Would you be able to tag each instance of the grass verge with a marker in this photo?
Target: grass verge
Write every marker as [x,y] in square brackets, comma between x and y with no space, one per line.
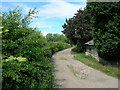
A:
[90,61]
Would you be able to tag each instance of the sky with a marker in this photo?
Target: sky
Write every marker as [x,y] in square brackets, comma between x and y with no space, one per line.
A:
[51,13]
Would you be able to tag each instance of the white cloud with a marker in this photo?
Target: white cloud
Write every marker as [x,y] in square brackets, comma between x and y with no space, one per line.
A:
[44,33]
[55,8]
[41,25]
[59,9]
[41,0]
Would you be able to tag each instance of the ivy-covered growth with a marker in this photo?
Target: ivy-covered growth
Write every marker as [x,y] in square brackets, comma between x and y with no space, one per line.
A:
[105,19]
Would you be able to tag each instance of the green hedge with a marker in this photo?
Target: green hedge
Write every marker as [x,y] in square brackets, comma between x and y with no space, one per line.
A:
[57,46]
[36,72]
[22,75]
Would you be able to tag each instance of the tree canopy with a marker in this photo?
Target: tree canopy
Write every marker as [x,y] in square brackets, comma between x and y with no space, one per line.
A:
[77,29]
[105,21]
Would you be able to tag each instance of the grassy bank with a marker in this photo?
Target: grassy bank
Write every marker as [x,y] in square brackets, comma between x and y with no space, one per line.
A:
[90,61]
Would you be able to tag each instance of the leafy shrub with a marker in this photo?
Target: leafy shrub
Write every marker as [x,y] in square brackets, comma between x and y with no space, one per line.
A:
[18,75]
[47,51]
[21,43]
[11,58]
[15,26]
[32,46]
[36,73]
[8,47]
[58,46]
[35,39]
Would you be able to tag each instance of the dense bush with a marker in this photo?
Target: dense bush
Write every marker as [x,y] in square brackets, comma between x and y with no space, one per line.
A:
[32,45]
[58,46]
[15,28]
[35,73]
[24,75]
[40,48]
[105,19]
[26,53]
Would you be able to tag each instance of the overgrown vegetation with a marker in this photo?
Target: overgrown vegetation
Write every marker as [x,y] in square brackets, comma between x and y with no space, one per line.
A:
[26,53]
[90,61]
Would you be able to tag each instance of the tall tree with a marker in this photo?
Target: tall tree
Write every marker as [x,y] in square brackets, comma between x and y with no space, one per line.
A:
[105,20]
[77,28]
